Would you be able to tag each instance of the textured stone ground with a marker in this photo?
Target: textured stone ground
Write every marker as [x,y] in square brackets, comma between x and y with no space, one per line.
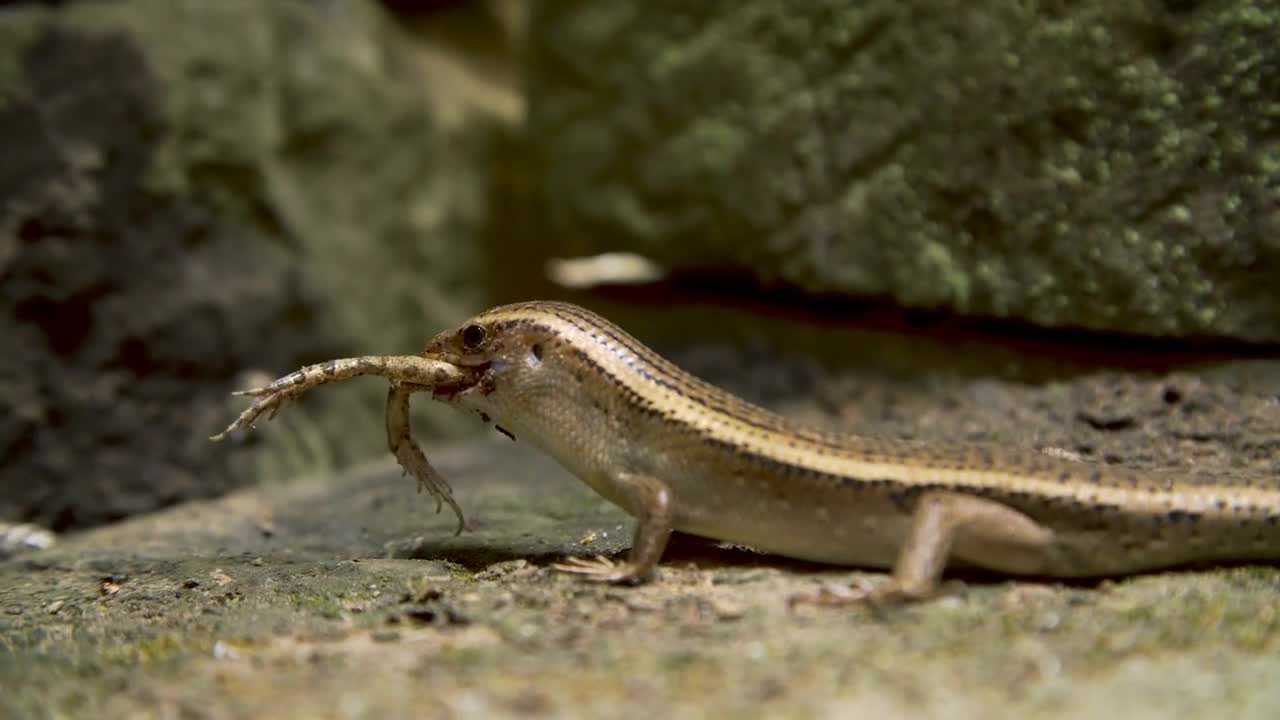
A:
[345,597]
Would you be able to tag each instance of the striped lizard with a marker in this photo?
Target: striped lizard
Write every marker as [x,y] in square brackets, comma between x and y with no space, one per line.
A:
[677,453]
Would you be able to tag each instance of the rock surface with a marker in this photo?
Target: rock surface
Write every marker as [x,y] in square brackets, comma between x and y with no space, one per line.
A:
[192,192]
[348,598]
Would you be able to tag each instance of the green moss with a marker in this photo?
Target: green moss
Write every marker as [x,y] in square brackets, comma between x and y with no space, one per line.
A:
[329,606]
[159,648]
[940,154]
[18,29]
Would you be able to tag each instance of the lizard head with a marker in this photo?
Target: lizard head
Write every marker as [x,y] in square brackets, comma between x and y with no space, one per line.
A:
[474,343]
[515,352]
[531,366]
[471,344]
[504,339]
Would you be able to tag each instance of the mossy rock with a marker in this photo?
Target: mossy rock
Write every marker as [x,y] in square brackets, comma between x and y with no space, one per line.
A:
[1105,165]
[194,191]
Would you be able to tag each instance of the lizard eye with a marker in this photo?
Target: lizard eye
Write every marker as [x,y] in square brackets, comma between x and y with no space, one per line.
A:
[473,337]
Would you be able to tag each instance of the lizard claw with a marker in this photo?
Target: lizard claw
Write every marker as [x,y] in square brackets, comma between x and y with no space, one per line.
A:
[599,569]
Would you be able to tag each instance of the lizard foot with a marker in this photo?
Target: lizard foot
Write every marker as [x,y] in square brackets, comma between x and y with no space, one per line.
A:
[601,569]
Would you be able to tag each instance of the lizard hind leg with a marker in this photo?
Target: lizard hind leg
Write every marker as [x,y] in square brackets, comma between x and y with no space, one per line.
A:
[946,525]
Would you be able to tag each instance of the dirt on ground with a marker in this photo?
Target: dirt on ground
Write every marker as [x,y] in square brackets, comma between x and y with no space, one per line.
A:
[346,596]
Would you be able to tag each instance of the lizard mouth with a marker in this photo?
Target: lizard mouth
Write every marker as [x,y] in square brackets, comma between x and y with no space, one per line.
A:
[476,377]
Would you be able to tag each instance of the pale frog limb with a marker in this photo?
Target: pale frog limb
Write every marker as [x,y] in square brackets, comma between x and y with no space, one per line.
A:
[407,374]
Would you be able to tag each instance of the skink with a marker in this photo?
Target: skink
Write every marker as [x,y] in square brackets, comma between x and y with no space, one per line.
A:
[677,453]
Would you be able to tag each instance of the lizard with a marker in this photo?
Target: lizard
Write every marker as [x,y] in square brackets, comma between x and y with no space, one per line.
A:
[678,453]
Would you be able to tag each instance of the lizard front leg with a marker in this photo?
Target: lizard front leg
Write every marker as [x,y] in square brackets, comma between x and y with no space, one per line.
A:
[649,500]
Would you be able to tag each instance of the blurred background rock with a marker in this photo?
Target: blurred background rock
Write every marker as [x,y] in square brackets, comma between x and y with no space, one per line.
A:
[193,194]
[192,191]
